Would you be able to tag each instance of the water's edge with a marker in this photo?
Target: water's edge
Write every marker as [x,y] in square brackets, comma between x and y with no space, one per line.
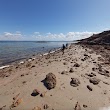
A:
[23,59]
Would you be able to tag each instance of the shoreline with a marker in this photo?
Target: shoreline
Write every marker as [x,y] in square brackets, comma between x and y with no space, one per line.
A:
[7,65]
[26,52]
[90,89]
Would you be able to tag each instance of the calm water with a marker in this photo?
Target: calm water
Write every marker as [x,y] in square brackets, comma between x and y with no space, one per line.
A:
[11,51]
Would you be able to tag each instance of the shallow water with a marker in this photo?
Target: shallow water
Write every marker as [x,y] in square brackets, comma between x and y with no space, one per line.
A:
[11,51]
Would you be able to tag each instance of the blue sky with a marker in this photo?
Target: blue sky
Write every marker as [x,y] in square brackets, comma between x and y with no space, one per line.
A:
[52,19]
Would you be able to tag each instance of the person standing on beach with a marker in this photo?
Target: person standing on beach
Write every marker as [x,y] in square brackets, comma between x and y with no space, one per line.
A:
[63,48]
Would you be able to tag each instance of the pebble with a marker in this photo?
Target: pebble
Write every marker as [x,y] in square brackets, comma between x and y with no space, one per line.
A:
[89,87]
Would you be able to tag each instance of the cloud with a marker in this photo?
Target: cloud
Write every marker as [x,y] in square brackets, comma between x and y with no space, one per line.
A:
[37,33]
[64,37]
[11,36]
[37,36]
[79,35]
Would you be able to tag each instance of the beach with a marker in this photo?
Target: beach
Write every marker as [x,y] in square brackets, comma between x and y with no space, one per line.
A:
[82,77]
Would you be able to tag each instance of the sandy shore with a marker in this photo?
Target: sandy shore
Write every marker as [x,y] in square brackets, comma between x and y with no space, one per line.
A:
[92,89]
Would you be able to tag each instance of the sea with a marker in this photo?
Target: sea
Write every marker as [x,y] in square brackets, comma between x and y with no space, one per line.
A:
[13,51]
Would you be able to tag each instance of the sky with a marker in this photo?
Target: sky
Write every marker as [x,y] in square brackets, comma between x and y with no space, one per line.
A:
[53,19]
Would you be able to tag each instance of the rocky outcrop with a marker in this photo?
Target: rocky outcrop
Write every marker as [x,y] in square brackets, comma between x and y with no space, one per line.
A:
[101,38]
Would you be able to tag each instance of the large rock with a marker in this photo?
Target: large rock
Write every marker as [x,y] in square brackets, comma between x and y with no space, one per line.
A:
[50,81]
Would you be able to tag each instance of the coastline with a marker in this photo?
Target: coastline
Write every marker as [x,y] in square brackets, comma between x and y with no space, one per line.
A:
[22,78]
[32,57]
[19,50]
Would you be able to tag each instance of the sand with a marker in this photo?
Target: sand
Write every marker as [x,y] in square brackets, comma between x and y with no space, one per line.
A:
[18,81]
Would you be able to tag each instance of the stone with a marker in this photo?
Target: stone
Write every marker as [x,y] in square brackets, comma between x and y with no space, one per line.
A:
[36,108]
[14,98]
[43,94]
[85,55]
[104,72]
[46,106]
[76,65]
[77,106]
[64,72]
[65,63]
[33,66]
[28,64]
[24,82]
[71,70]
[89,87]
[2,107]
[85,106]
[35,92]
[22,75]
[74,82]
[91,74]
[50,81]
[16,103]
[94,80]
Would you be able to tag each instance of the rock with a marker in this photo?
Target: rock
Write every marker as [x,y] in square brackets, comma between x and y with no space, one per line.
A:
[14,98]
[91,74]
[2,107]
[106,83]
[77,106]
[105,92]
[104,72]
[33,66]
[95,81]
[43,94]
[82,59]
[22,75]
[65,63]
[50,81]
[36,108]
[93,69]
[64,72]
[16,103]
[74,82]
[85,106]
[24,82]
[28,64]
[76,65]
[35,92]
[46,106]
[89,87]
[71,70]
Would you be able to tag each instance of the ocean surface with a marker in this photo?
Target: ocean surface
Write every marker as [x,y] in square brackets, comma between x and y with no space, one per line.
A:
[12,51]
